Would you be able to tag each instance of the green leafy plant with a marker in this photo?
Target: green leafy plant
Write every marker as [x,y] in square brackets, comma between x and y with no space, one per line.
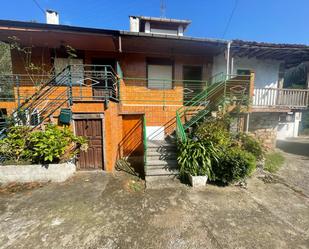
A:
[41,146]
[251,144]
[13,147]
[51,144]
[215,131]
[196,158]
[233,165]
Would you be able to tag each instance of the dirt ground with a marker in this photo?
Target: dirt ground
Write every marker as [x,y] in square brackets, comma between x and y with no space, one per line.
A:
[97,210]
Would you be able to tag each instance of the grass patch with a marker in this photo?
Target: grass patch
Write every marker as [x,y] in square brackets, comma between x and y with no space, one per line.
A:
[273,161]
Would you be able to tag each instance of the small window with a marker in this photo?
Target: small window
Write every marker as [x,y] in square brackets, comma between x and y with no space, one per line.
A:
[160,74]
[243,72]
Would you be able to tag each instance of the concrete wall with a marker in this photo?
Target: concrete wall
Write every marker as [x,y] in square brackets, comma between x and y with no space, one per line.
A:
[266,71]
[36,173]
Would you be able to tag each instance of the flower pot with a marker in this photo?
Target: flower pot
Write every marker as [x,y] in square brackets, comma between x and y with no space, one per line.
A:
[198,181]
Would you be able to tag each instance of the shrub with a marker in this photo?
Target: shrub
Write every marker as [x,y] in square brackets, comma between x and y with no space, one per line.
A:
[233,165]
[251,145]
[196,158]
[13,146]
[48,146]
[216,131]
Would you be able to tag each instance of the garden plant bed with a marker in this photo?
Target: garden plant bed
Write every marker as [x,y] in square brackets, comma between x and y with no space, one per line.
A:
[36,173]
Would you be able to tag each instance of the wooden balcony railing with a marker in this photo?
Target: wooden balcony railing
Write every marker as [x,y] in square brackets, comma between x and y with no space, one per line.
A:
[281,98]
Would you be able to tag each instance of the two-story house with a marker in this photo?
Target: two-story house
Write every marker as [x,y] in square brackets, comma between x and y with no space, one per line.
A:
[127,90]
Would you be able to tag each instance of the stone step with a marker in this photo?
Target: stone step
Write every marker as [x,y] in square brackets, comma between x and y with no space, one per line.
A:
[162,163]
[161,172]
[160,144]
[155,155]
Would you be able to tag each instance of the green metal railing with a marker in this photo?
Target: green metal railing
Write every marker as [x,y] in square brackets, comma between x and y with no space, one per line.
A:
[180,130]
[224,89]
[145,141]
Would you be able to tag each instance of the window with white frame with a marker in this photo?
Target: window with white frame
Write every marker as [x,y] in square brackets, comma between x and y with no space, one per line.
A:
[160,74]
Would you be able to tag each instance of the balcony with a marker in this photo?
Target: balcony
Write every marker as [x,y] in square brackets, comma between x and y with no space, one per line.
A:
[280,99]
[77,82]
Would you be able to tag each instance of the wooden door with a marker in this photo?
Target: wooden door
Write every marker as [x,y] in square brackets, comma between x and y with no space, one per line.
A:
[132,141]
[92,130]
[132,135]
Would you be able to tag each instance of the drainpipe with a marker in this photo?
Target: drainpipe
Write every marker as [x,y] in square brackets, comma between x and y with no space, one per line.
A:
[228,59]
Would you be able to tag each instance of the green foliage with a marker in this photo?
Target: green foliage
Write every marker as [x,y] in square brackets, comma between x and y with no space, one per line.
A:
[47,146]
[196,158]
[14,145]
[223,156]
[273,161]
[215,131]
[233,165]
[250,144]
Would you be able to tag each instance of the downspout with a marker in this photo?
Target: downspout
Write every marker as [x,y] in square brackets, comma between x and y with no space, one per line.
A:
[228,59]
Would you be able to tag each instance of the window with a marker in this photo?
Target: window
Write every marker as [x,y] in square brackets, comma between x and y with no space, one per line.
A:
[77,72]
[160,74]
[243,72]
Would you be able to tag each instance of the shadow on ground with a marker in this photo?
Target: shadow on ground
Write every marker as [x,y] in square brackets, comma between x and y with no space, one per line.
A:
[294,146]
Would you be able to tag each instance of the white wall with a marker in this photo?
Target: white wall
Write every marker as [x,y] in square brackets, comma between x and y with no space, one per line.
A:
[266,71]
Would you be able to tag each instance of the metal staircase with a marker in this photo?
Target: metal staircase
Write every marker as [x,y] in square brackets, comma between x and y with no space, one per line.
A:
[224,90]
[73,83]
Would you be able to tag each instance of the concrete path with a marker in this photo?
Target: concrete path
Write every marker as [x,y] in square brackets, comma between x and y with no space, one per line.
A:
[97,210]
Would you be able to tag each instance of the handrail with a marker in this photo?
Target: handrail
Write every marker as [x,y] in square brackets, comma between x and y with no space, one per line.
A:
[180,131]
[145,141]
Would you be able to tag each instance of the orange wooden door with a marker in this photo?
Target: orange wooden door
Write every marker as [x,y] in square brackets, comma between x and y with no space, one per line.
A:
[132,142]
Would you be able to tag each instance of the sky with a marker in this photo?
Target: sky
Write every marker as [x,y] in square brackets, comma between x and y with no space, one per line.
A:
[279,21]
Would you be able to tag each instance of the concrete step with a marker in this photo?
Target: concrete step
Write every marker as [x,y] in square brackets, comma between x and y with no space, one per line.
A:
[160,144]
[161,172]
[162,163]
[156,155]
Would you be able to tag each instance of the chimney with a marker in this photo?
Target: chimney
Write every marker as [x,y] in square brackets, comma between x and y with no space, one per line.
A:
[52,17]
[134,24]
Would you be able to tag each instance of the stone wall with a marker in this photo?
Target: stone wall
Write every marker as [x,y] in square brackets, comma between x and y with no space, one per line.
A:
[264,127]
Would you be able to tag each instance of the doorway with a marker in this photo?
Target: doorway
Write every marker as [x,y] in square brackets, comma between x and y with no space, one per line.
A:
[192,85]
[92,130]
[104,82]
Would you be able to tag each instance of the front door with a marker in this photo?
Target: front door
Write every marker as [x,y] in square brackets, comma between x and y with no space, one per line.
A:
[92,159]
[132,141]
[192,76]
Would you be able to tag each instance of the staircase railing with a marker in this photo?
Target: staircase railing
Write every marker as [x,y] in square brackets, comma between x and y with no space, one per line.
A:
[224,89]
[145,141]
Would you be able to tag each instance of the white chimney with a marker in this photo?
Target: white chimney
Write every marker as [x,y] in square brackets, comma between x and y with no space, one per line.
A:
[134,24]
[52,17]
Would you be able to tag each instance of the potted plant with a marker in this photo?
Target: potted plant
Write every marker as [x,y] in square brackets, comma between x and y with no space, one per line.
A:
[195,161]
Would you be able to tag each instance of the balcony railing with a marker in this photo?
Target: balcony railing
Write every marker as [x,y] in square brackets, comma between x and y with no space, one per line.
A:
[281,98]
[87,83]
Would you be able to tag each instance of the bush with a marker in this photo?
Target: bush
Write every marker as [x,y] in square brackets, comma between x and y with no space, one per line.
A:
[216,131]
[41,146]
[233,165]
[196,158]
[251,145]
[13,146]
